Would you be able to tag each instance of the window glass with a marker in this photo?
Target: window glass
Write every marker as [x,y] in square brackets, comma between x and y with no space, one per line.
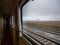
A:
[42,17]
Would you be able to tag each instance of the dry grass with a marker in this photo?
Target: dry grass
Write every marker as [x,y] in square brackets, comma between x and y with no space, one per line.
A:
[48,23]
[44,25]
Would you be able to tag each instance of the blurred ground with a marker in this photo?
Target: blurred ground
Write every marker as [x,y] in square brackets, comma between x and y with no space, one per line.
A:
[47,26]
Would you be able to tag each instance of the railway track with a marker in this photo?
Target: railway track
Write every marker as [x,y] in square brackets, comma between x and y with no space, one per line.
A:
[39,38]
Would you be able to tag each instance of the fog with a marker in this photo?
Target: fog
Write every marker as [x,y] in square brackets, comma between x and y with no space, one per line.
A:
[42,10]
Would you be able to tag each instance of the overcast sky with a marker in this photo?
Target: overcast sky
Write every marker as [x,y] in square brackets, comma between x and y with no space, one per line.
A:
[43,10]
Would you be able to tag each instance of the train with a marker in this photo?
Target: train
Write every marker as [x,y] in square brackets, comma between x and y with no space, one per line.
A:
[29,22]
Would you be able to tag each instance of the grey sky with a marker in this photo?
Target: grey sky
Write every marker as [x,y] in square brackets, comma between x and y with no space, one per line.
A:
[44,10]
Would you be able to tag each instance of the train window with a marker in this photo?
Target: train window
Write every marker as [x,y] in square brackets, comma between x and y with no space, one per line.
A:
[41,20]
[12,21]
